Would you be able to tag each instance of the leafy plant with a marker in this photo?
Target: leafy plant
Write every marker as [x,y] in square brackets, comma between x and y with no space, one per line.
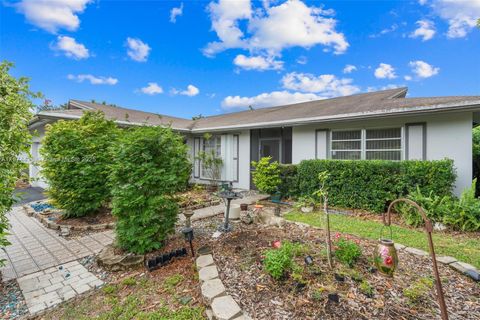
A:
[305,201]
[150,165]
[15,139]
[418,290]
[280,261]
[347,251]
[465,213]
[211,162]
[266,176]
[77,157]
[366,288]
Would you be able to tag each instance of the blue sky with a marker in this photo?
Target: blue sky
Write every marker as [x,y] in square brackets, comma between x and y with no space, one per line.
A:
[199,57]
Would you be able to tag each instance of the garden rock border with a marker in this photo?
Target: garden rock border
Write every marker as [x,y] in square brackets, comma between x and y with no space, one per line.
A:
[202,205]
[55,226]
[462,267]
[222,305]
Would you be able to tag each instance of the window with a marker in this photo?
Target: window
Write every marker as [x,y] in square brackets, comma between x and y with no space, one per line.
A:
[214,144]
[369,144]
[346,145]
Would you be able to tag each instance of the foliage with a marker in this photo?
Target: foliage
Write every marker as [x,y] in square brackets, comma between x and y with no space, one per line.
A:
[171,282]
[465,213]
[366,288]
[76,162]
[305,201]
[347,251]
[211,163]
[418,290]
[15,115]
[371,184]
[150,165]
[280,261]
[476,155]
[436,207]
[266,176]
[288,188]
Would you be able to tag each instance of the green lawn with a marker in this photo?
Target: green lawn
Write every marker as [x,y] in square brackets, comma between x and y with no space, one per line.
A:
[466,249]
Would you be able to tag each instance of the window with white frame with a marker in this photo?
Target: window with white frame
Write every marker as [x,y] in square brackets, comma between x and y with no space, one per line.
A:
[214,144]
[369,144]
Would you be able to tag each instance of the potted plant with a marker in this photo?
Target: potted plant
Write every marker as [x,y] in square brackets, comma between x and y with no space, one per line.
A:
[306,204]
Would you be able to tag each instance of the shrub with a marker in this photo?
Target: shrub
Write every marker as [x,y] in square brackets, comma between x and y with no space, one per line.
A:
[266,176]
[150,165]
[289,185]
[465,213]
[347,251]
[15,114]
[418,290]
[76,162]
[371,184]
[279,261]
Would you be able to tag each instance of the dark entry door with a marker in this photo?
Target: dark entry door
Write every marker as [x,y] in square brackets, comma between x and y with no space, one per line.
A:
[270,148]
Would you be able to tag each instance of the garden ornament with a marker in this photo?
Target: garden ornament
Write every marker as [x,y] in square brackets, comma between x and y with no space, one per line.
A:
[385,255]
[428,231]
[228,196]
[188,215]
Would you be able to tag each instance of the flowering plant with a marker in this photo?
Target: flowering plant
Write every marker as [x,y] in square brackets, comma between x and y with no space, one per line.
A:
[347,250]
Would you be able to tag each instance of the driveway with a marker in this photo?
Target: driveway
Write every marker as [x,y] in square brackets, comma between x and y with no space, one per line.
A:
[28,195]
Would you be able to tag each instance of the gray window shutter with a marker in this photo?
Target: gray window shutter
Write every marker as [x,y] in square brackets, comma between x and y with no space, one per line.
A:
[196,161]
[416,141]
[322,144]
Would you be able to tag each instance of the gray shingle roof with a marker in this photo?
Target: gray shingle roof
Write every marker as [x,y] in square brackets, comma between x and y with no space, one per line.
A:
[373,104]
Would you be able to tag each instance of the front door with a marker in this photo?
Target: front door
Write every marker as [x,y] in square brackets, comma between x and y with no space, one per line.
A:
[270,148]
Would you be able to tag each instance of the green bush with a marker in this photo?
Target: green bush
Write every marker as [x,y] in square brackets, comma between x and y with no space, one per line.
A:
[76,162]
[280,261]
[150,165]
[289,185]
[372,184]
[15,114]
[465,213]
[347,251]
[266,176]
[418,290]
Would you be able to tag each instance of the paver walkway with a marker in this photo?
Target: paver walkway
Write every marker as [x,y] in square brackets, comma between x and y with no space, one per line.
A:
[35,247]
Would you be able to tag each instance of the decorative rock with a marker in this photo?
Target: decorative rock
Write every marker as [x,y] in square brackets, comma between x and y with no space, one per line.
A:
[208,273]
[473,274]
[466,269]
[204,261]
[399,246]
[209,314]
[225,308]
[416,251]
[115,262]
[446,259]
[64,231]
[212,289]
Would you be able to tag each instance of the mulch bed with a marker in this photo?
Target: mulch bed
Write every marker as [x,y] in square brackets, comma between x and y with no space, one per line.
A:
[239,257]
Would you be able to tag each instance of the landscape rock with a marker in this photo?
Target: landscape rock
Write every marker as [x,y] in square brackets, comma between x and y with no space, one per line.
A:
[416,251]
[204,261]
[225,308]
[208,273]
[212,289]
[116,262]
[446,259]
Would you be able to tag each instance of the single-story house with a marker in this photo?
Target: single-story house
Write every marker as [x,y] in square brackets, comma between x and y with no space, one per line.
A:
[377,125]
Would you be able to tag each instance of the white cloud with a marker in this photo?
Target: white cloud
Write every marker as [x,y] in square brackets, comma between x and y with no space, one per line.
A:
[71,48]
[302,60]
[152,89]
[425,30]
[423,69]
[257,63]
[326,84]
[176,12]
[137,49]
[392,28]
[52,15]
[191,91]
[387,87]
[408,78]
[275,98]
[385,71]
[270,29]
[461,15]
[93,79]
[349,68]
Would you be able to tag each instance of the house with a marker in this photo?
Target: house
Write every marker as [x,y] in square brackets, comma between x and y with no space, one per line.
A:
[377,125]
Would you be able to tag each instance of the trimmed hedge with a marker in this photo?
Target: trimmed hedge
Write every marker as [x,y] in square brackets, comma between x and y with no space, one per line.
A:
[369,184]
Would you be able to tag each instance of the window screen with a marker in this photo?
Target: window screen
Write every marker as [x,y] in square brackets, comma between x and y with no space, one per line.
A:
[346,145]
[383,144]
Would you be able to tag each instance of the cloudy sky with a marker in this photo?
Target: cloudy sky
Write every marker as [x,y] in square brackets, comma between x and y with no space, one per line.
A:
[199,57]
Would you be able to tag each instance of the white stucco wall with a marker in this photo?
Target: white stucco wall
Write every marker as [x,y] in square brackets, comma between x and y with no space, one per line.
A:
[448,136]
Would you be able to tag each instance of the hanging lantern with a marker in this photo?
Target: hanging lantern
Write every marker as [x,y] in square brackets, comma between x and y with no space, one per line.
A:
[385,255]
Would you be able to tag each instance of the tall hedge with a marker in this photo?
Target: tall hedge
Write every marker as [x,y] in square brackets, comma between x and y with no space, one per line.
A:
[371,184]
[76,159]
[150,165]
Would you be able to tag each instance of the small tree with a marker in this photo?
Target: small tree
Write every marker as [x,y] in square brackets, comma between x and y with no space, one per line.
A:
[76,162]
[211,162]
[266,176]
[150,165]
[15,115]
[322,194]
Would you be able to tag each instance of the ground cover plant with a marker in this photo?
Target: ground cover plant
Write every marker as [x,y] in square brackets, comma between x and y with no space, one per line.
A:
[465,247]
[15,114]
[76,163]
[150,165]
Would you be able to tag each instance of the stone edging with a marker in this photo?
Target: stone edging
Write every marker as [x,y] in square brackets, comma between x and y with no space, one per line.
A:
[55,226]
[210,203]
[222,305]
[462,267]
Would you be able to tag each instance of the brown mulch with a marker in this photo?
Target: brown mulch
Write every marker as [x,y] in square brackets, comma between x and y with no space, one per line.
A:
[103,216]
[239,258]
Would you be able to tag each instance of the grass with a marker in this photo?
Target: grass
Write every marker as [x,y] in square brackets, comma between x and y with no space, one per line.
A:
[462,247]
